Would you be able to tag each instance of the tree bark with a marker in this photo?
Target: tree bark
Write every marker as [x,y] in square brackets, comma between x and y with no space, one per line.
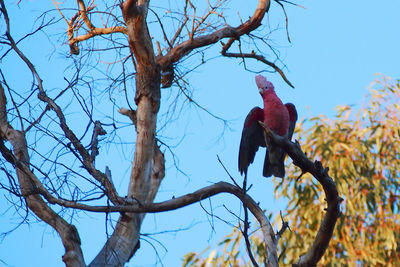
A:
[145,177]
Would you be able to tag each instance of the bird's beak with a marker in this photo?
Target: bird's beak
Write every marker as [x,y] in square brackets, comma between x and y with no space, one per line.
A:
[260,90]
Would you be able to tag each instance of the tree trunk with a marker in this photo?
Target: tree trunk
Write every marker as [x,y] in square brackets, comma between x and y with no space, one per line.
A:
[125,240]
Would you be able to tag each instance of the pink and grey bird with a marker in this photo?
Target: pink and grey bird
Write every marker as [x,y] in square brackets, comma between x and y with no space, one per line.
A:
[280,118]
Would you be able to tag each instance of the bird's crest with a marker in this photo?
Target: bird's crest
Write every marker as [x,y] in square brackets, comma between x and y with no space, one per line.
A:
[262,82]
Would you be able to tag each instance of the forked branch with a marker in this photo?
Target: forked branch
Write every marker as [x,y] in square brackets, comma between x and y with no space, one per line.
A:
[186,47]
[320,173]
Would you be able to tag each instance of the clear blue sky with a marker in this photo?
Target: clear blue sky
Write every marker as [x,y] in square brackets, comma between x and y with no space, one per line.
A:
[337,49]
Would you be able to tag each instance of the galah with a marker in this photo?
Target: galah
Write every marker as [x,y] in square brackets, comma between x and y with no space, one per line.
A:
[281,119]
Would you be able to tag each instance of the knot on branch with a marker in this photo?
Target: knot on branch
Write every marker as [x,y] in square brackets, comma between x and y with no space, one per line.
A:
[70,257]
[42,96]
[74,49]
[130,113]
[131,9]
[318,166]
[167,76]
[158,166]
[148,81]
[97,130]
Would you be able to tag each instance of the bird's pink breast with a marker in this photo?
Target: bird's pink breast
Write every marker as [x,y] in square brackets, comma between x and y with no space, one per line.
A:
[276,115]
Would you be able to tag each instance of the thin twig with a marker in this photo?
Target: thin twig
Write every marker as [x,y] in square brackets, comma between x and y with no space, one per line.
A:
[285,225]
[246,236]
[230,176]
[286,20]
[162,28]
[263,60]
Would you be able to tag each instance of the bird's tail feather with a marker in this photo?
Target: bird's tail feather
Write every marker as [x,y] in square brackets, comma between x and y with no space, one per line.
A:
[274,165]
[267,171]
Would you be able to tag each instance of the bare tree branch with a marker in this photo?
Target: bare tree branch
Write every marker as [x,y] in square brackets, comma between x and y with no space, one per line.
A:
[97,130]
[86,158]
[93,31]
[69,235]
[186,47]
[130,113]
[175,203]
[285,225]
[245,233]
[320,173]
[286,20]
[175,53]
[83,13]
[259,58]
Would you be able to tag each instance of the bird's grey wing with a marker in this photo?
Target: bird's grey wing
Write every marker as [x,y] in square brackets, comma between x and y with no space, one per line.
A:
[252,139]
